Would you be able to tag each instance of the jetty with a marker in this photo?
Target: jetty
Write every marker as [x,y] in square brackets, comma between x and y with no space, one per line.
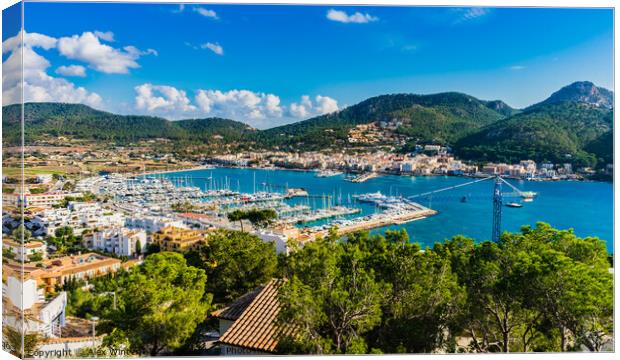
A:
[364,177]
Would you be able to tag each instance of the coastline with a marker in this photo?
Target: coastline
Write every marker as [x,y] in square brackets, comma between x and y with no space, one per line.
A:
[378,173]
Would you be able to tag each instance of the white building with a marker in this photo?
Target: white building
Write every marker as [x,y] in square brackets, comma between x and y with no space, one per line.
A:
[37,200]
[45,317]
[278,239]
[26,310]
[119,240]
[79,216]
[152,223]
[23,252]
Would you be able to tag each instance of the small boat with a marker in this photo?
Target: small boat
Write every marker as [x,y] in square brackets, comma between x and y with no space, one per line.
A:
[514,205]
[528,194]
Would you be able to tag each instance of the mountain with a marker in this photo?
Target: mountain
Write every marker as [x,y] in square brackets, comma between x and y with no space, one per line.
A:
[81,121]
[502,108]
[436,118]
[582,92]
[574,125]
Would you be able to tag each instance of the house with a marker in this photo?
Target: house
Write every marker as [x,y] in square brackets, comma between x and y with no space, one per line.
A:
[229,314]
[249,325]
[279,239]
[27,309]
[23,252]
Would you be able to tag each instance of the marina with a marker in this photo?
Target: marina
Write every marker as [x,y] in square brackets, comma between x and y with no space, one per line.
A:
[584,206]
[313,205]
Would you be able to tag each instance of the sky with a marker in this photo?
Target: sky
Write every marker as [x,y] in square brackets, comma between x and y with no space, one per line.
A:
[268,65]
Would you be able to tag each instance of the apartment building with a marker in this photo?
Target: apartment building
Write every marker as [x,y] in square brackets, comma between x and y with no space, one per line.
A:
[79,216]
[117,240]
[46,200]
[178,239]
[152,223]
[55,272]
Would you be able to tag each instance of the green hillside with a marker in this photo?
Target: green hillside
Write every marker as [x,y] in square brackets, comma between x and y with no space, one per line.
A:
[434,118]
[83,122]
[575,124]
[557,132]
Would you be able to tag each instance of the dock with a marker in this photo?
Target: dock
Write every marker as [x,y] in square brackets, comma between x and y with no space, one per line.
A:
[321,214]
[369,222]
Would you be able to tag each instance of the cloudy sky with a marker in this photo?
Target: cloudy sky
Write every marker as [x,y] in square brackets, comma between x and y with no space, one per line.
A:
[270,65]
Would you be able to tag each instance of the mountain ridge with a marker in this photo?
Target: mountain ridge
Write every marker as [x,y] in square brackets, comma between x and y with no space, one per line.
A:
[573,124]
[582,92]
[82,121]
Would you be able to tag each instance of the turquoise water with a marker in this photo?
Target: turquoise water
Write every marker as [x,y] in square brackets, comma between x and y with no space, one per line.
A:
[587,207]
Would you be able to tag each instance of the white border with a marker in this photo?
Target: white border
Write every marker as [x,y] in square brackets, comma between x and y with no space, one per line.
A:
[484,3]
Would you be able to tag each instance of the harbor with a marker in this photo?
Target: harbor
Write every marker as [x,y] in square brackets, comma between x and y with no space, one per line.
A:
[312,205]
[583,206]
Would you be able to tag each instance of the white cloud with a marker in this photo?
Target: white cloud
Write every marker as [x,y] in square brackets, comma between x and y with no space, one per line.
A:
[307,108]
[31,40]
[134,51]
[357,17]
[301,110]
[106,36]
[101,57]
[71,70]
[517,67]
[37,86]
[180,9]
[215,47]
[257,109]
[243,105]
[162,100]
[206,12]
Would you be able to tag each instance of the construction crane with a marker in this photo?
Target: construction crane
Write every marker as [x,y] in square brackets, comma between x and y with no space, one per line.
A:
[497,199]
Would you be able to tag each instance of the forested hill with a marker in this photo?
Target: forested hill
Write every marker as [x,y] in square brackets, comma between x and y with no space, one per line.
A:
[574,125]
[83,122]
[441,118]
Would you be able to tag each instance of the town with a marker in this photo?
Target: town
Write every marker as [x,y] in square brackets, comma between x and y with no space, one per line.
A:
[429,160]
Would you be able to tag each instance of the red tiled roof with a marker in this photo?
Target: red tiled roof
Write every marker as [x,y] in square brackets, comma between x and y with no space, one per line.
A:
[256,328]
[234,310]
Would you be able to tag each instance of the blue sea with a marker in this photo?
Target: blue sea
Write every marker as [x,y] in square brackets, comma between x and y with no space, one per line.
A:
[586,207]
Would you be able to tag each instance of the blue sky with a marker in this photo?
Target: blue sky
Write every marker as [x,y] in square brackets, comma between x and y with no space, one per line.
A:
[268,65]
